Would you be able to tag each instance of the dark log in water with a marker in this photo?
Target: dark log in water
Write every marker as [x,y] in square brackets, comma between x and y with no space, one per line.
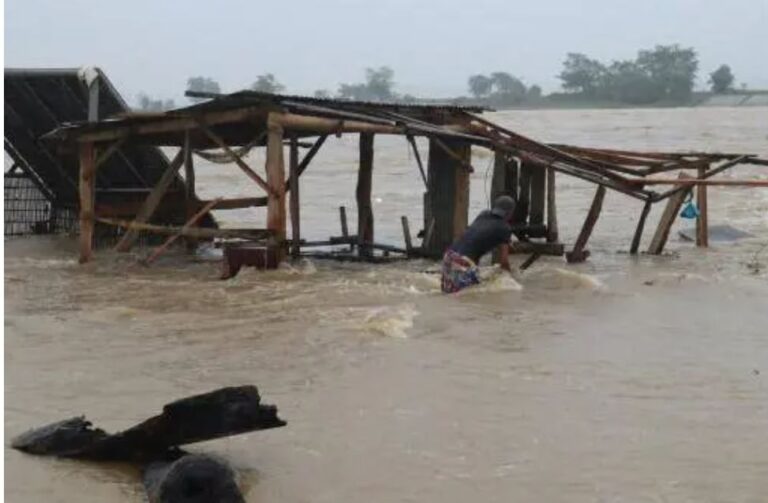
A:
[221,413]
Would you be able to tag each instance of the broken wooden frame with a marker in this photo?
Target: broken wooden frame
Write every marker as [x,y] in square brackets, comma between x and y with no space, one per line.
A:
[524,168]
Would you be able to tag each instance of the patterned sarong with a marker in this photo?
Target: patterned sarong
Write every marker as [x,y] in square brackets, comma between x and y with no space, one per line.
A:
[459,272]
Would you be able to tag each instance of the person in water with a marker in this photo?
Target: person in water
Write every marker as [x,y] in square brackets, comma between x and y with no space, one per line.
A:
[492,228]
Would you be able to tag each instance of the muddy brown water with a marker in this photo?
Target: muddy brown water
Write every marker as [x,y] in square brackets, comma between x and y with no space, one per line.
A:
[622,379]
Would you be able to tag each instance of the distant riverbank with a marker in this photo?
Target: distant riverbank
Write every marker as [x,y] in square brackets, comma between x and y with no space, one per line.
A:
[562,101]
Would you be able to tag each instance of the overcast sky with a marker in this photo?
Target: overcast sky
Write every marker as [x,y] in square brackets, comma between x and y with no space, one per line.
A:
[433,46]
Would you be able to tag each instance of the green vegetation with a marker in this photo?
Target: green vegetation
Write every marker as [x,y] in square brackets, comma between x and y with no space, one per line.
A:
[721,79]
[202,84]
[267,83]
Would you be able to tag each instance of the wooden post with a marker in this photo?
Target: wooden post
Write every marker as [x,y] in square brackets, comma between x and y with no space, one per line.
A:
[189,185]
[674,203]
[447,201]
[363,195]
[152,202]
[538,195]
[552,230]
[702,223]
[407,235]
[640,226]
[87,193]
[522,208]
[343,220]
[294,198]
[275,168]
[499,179]
[578,254]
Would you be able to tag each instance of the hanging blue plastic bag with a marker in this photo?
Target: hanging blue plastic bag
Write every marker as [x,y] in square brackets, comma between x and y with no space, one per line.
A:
[690,211]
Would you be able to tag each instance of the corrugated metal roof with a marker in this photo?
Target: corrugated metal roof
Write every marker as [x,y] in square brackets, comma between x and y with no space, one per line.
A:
[40,100]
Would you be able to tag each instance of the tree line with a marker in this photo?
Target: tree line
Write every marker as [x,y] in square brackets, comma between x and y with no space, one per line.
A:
[664,74]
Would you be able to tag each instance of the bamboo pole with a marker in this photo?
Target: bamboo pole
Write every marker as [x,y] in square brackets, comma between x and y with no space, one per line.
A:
[86,190]
[196,232]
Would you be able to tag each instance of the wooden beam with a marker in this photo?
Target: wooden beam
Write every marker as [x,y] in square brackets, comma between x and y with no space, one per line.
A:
[416,154]
[538,195]
[275,168]
[640,226]
[674,203]
[522,208]
[195,232]
[293,161]
[169,124]
[87,194]
[579,254]
[552,230]
[236,158]
[189,185]
[363,196]
[107,153]
[702,222]
[699,182]
[709,174]
[307,159]
[152,202]
[189,224]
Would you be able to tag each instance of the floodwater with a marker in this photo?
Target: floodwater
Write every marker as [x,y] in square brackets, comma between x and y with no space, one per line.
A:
[624,379]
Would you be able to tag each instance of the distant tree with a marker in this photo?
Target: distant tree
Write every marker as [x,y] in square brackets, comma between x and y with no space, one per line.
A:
[534,92]
[380,82]
[357,92]
[202,84]
[480,85]
[322,93]
[721,79]
[582,74]
[149,104]
[628,82]
[508,89]
[267,83]
[379,86]
[672,68]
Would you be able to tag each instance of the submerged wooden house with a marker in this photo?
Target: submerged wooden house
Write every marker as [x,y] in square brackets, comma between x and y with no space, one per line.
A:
[234,124]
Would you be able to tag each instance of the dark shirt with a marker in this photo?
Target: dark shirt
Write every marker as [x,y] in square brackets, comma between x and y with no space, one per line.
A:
[486,233]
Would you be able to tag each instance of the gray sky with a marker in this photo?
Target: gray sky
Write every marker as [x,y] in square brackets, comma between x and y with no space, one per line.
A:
[433,46]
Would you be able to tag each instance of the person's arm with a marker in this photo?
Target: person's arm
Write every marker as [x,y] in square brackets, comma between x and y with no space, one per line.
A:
[504,257]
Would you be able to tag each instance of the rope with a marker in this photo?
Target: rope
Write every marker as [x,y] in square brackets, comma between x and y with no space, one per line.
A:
[224,157]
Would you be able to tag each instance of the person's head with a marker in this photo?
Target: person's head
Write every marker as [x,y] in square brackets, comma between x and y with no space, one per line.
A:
[504,207]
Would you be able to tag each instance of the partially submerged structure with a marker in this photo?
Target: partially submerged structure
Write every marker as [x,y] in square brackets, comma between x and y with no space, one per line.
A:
[41,179]
[236,123]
